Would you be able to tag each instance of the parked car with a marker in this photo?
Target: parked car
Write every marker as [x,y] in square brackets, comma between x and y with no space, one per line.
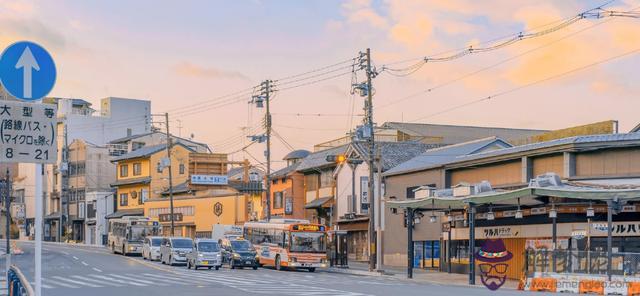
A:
[205,253]
[238,252]
[151,248]
[174,250]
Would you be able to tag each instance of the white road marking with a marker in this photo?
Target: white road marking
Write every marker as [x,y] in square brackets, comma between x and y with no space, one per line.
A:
[76,282]
[137,280]
[95,281]
[97,270]
[43,285]
[84,263]
[117,280]
[76,258]
[52,282]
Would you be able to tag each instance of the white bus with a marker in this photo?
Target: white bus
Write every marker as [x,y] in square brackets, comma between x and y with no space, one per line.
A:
[289,243]
[127,234]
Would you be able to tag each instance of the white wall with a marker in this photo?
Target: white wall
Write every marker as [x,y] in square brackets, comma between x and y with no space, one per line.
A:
[343,188]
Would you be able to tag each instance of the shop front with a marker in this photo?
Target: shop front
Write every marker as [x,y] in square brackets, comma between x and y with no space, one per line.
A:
[357,237]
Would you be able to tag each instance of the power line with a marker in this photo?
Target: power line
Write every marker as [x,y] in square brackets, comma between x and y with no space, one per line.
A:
[529,84]
[467,75]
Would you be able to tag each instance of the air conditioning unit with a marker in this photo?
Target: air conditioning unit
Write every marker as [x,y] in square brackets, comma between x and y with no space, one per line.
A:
[546,180]
[483,186]
[463,189]
[424,192]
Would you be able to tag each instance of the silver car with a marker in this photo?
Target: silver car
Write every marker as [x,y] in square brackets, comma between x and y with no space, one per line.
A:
[205,253]
[151,248]
[174,250]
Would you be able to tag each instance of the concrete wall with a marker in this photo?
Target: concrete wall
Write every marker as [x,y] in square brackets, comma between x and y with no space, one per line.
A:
[501,174]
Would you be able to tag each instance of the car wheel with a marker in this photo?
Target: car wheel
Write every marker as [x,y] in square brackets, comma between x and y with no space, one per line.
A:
[278,263]
[255,268]
[195,266]
[312,269]
[217,267]
[113,248]
[170,261]
[209,267]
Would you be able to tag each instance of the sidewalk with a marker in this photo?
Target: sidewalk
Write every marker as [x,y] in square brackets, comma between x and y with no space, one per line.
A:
[419,275]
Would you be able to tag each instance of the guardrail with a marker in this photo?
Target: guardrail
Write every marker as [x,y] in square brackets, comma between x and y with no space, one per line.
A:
[18,284]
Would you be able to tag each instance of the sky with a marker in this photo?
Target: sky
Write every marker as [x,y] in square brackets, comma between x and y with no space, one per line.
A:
[181,53]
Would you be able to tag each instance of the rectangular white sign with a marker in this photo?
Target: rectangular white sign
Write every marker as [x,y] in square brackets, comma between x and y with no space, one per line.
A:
[209,180]
[28,132]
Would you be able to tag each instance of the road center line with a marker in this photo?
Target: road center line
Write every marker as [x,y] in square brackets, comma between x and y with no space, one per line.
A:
[98,270]
[84,263]
[76,258]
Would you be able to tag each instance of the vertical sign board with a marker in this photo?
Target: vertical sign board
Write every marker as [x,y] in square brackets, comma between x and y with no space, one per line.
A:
[27,72]
[364,194]
[27,132]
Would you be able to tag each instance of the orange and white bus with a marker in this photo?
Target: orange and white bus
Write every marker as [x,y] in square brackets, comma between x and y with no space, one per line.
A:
[288,243]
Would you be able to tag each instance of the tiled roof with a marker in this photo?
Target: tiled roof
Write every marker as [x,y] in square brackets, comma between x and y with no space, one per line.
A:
[442,155]
[553,143]
[394,153]
[319,159]
[452,134]
[141,152]
[285,171]
[144,180]
[296,154]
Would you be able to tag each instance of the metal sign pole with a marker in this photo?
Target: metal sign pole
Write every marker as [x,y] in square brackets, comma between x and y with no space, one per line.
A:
[38,234]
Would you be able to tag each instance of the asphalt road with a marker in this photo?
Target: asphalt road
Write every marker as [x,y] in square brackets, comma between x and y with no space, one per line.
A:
[73,270]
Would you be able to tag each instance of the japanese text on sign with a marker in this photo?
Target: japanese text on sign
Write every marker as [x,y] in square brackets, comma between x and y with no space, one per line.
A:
[27,132]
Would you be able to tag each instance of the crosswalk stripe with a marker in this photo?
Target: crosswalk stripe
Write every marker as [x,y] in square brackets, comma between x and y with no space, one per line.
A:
[76,282]
[95,281]
[106,278]
[216,276]
[137,280]
[44,286]
[174,280]
[59,283]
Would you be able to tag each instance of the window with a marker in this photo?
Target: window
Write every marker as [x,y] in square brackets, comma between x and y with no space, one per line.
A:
[124,170]
[275,181]
[80,194]
[311,181]
[410,193]
[326,179]
[124,199]
[182,169]
[136,145]
[277,200]
[137,169]
[19,196]
[159,168]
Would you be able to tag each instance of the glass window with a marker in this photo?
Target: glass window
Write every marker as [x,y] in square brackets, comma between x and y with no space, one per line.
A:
[182,243]
[277,200]
[156,242]
[182,169]
[137,169]
[241,245]
[124,199]
[124,170]
[314,242]
[208,247]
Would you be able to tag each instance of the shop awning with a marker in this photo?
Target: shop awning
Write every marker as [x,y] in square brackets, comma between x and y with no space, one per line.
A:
[143,180]
[124,213]
[52,216]
[322,202]
[496,197]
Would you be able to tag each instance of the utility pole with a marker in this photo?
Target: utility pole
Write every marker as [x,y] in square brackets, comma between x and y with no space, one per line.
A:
[64,198]
[370,139]
[378,211]
[7,203]
[267,94]
[259,100]
[166,121]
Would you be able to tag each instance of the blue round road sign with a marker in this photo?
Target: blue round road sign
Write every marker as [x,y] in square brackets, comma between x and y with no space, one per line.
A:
[27,71]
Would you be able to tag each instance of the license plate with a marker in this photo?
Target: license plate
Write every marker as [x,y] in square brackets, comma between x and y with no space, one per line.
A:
[205,262]
[248,262]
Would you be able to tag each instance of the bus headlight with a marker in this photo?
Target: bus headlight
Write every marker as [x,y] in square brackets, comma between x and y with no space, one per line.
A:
[293,259]
[200,255]
[132,248]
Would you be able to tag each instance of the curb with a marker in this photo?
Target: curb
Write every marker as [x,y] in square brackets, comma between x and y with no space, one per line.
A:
[65,244]
[356,272]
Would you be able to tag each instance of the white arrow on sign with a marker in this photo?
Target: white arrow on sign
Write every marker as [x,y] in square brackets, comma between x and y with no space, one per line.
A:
[27,62]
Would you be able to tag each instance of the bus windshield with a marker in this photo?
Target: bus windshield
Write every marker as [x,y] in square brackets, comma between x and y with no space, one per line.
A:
[311,242]
[138,233]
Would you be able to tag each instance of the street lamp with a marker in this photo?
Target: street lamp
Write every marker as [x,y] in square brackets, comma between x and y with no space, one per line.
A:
[490,215]
[590,211]
[553,213]
[519,211]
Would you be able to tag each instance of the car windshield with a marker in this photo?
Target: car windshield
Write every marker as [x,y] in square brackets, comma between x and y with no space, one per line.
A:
[156,242]
[312,242]
[208,247]
[182,243]
[138,233]
[241,245]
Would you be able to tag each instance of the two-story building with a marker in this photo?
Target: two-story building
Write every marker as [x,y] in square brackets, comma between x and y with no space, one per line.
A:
[287,188]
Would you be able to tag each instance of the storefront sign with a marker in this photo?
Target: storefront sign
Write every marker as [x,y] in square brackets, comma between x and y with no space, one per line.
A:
[209,180]
[546,244]
[618,229]
[217,209]
[500,232]
[579,234]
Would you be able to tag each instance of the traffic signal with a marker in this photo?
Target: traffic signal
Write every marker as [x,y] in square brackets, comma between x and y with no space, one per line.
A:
[336,158]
